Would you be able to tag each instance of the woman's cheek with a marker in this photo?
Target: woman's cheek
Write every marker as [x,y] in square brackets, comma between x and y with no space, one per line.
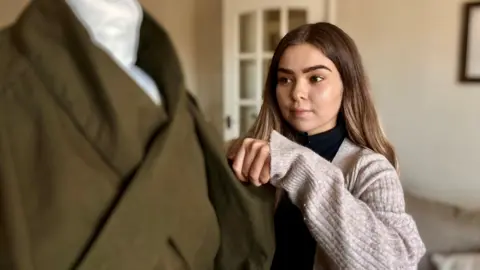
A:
[321,91]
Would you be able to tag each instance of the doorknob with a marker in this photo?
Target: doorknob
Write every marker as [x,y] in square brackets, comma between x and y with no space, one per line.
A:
[228,121]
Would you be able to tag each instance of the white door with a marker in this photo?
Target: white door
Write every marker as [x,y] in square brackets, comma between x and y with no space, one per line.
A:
[251,31]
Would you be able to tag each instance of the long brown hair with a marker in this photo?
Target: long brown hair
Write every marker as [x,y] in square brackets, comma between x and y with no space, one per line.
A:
[357,107]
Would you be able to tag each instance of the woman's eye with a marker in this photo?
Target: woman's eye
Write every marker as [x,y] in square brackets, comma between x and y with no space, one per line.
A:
[315,79]
[284,80]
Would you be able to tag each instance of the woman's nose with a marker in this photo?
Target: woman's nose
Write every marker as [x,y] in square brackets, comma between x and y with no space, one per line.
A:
[299,91]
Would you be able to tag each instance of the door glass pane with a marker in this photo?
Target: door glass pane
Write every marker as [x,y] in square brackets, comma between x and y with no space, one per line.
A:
[248,115]
[296,18]
[247,79]
[247,32]
[271,29]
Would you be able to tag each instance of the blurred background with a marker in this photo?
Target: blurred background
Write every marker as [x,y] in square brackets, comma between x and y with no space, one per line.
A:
[412,50]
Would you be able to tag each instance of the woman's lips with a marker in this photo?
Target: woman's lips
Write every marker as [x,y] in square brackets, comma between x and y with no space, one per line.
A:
[300,112]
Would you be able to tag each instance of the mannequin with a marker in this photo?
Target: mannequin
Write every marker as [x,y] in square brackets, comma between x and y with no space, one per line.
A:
[114,26]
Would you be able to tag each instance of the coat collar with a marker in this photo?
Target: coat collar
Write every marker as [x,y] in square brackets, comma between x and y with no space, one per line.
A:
[50,35]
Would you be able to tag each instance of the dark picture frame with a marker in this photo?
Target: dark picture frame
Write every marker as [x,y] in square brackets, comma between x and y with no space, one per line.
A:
[469,70]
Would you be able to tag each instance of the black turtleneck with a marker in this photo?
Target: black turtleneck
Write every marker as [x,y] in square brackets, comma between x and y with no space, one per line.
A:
[295,247]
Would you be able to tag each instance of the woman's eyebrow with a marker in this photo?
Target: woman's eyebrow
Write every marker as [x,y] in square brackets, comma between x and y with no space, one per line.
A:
[305,70]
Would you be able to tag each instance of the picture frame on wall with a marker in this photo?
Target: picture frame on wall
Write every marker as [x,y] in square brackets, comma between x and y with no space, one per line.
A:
[470,43]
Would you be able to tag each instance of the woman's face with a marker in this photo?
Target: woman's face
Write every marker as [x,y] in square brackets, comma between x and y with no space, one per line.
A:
[309,89]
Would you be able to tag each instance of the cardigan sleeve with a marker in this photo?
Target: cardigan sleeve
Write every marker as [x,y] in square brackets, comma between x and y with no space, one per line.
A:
[364,229]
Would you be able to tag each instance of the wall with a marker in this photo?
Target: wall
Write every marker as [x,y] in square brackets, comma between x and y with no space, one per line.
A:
[410,49]
[208,35]
[10,10]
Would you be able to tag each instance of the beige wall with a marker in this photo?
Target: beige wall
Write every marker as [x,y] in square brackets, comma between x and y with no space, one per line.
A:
[410,48]
[9,10]
[208,33]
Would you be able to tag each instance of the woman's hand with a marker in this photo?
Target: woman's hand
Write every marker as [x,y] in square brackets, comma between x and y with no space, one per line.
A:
[252,162]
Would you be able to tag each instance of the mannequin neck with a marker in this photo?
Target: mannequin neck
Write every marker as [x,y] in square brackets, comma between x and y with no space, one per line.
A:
[113,25]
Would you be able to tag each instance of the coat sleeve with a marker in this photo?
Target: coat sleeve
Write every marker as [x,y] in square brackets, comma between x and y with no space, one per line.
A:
[244,213]
[366,229]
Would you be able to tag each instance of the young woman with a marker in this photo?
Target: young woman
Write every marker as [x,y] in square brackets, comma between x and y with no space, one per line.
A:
[319,141]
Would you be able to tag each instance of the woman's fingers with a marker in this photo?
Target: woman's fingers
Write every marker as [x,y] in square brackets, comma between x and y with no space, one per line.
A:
[265,173]
[252,162]
[262,154]
[250,153]
[238,163]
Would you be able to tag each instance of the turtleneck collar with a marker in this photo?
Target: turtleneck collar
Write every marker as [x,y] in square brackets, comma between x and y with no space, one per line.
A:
[327,143]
